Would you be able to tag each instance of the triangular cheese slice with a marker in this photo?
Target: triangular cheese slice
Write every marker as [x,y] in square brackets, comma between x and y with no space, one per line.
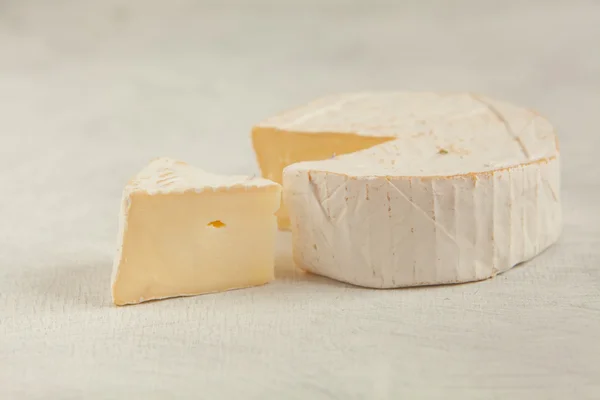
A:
[185,232]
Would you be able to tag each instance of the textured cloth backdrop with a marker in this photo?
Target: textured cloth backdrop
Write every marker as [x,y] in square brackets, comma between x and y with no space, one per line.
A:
[91,90]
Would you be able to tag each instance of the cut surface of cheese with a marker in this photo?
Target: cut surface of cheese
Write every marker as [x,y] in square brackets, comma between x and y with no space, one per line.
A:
[305,134]
[468,187]
[185,232]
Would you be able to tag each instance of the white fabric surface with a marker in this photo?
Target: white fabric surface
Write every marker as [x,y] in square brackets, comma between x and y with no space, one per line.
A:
[91,90]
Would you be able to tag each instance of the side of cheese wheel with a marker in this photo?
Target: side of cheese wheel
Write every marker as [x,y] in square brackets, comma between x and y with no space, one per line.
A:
[185,232]
[468,188]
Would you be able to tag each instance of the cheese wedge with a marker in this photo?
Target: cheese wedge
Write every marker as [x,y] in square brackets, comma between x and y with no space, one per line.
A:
[468,187]
[185,232]
[285,139]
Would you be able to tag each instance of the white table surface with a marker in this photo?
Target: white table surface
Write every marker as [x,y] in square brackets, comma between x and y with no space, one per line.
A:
[91,90]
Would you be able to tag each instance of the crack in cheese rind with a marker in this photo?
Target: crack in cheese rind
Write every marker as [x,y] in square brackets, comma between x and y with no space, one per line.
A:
[403,213]
[167,245]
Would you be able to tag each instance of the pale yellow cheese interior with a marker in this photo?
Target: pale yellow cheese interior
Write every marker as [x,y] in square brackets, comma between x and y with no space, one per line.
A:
[276,149]
[188,243]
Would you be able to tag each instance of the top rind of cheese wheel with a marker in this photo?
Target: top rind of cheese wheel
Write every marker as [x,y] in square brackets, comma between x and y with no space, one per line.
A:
[437,134]
[165,175]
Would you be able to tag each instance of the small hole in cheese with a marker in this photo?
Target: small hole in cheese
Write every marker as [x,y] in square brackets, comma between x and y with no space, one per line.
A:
[216,224]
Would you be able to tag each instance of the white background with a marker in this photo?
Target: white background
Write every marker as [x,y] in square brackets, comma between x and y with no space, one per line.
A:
[91,90]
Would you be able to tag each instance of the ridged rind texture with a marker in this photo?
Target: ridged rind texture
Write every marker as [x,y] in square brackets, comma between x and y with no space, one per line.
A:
[165,175]
[395,232]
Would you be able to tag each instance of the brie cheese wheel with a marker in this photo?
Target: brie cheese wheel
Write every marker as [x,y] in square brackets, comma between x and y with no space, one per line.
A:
[460,188]
[185,232]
